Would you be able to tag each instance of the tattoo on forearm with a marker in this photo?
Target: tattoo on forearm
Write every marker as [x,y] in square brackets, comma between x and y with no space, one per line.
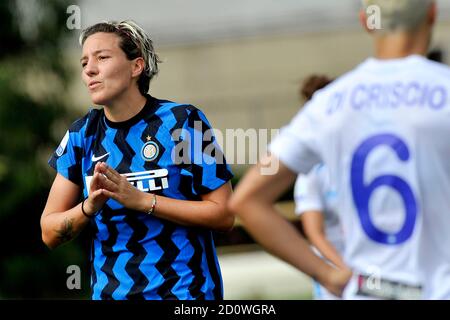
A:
[66,232]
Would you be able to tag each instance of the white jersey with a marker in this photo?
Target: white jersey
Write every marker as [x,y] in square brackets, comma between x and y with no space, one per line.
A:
[383,131]
[315,192]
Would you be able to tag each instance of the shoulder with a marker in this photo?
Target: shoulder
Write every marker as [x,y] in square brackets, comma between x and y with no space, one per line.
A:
[340,83]
[176,115]
[177,109]
[436,68]
[86,124]
[324,98]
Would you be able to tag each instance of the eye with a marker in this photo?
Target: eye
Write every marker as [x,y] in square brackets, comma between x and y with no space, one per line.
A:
[83,64]
[102,57]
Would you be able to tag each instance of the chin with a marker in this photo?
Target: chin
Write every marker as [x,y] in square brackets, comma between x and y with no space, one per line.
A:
[99,98]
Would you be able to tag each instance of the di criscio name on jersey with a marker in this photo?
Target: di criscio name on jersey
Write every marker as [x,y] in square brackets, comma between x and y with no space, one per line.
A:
[225,309]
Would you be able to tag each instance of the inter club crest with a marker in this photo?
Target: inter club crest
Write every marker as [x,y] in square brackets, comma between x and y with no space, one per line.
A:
[150,150]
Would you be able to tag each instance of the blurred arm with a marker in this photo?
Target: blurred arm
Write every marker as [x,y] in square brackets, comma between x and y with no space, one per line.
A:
[253,202]
[313,225]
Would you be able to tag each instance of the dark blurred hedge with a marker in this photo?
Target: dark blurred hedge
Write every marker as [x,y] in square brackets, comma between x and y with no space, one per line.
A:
[34,77]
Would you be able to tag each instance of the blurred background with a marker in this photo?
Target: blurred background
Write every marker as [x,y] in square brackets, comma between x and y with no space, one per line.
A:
[240,61]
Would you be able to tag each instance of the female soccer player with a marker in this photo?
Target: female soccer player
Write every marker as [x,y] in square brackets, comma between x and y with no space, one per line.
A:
[153,179]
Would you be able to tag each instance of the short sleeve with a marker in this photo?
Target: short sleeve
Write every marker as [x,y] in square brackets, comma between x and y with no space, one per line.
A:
[66,159]
[204,168]
[307,193]
[297,144]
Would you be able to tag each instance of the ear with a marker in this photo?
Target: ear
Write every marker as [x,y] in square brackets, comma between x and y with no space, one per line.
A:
[138,66]
[363,21]
[432,13]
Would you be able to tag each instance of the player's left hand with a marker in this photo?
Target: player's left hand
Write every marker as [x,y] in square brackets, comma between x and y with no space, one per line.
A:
[117,187]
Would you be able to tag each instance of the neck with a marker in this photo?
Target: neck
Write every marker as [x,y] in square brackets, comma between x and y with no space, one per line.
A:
[125,107]
[400,45]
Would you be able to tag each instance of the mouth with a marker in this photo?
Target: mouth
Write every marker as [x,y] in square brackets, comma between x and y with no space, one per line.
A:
[94,84]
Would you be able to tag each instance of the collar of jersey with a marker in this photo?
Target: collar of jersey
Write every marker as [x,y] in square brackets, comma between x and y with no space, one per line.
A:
[377,63]
[149,105]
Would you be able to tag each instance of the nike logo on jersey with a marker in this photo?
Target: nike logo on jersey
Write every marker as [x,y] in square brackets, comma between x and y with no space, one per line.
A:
[94,158]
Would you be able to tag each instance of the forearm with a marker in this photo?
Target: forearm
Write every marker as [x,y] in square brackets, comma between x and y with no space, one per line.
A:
[203,213]
[262,220]
[327,249]
[60,227]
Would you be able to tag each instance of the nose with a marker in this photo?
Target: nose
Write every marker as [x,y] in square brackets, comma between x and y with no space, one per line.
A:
[91,68]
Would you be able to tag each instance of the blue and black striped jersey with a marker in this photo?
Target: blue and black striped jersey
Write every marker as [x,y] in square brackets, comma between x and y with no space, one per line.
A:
[167,149]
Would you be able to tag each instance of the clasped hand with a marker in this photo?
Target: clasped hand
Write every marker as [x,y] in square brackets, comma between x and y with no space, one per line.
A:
[108,183]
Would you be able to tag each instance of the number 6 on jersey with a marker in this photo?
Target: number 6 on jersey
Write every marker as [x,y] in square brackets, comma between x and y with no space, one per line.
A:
[362,192]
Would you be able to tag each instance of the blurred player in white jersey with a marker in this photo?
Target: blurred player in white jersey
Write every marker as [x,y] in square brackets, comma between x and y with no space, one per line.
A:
[382,130]
[315,203]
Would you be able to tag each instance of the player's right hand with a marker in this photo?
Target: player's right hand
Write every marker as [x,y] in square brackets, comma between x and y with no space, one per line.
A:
[96,199]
